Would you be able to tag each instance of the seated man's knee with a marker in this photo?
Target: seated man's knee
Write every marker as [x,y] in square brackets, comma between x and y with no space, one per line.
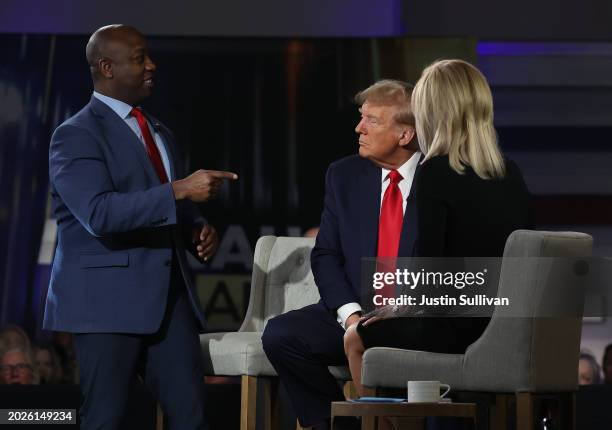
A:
[274,335]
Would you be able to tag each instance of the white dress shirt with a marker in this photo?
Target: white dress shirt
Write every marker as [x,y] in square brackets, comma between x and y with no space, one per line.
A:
[407,171]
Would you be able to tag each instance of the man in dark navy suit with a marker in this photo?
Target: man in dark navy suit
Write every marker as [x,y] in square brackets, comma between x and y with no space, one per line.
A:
[125,218]
[367,212]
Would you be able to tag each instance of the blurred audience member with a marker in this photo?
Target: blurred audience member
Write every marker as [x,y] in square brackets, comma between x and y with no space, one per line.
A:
[48,364]
[606,364]
[13,335]
[588,370]
[17,367]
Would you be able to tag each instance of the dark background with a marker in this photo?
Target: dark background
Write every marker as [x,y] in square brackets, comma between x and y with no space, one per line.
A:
[265,89]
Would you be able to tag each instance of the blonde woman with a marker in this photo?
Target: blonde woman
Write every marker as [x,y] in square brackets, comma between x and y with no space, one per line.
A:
[469,199]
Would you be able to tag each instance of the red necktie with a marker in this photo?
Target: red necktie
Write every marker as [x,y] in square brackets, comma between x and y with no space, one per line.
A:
[152,150]
[390,229]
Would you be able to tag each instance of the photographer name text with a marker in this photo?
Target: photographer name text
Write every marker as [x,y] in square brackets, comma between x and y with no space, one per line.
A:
[445,300]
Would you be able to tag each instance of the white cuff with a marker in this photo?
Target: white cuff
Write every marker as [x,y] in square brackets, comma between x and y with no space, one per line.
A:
[346,311]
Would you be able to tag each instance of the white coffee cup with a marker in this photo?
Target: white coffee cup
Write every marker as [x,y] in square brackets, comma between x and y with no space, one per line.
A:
[426,391]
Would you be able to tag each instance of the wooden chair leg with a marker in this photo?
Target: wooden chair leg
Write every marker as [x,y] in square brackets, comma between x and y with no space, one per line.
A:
[271,403]
[524,411]
[499,420]
[248,402]
[159,418]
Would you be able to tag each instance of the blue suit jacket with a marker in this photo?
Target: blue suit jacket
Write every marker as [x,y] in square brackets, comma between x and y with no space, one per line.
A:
[117,227]
[349,230]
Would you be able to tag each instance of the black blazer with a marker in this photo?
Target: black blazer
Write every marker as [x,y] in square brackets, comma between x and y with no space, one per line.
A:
[462,215]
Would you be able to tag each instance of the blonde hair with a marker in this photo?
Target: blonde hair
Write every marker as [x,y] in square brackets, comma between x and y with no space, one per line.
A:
[390,92]
[5,334]
[453,109]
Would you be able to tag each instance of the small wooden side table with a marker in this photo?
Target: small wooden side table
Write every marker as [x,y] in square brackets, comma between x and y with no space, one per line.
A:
[369,411]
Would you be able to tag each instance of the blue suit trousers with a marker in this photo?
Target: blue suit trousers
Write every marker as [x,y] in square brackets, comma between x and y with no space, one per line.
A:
[168,361]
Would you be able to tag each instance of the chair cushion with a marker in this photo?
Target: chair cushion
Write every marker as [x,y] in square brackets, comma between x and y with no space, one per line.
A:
[241,353]
[235,353]
[392,367]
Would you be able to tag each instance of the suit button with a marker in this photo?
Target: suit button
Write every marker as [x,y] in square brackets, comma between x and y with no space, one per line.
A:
[168,263]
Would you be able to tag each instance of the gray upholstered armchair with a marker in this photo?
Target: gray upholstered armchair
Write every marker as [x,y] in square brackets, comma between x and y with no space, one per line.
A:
[281,281]
[520,356]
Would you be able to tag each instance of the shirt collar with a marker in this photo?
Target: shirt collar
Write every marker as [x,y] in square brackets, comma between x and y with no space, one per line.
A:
[406,170]
[120,108]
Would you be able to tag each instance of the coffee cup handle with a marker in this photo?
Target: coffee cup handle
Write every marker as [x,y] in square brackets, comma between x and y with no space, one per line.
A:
[447,387]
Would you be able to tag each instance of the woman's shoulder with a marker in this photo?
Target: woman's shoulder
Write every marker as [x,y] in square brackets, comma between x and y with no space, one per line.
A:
[436,170]
[512,169]
[436,166]
[439,168]
[513,178]
[435,178]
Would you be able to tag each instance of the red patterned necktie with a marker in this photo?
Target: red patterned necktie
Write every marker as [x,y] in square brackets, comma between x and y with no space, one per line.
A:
[390,229]
[152,150]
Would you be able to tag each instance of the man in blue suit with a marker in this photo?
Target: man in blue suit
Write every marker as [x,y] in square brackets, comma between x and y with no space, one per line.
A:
[125,218]
[302,343]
